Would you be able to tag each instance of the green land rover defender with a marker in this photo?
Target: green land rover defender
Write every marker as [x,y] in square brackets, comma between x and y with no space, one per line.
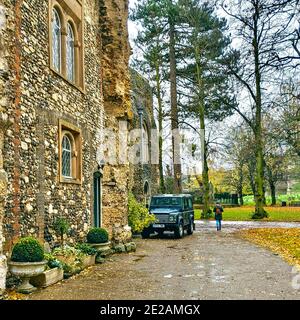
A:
[173,213]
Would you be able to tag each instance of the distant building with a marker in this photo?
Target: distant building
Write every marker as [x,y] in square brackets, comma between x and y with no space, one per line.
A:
[146,175]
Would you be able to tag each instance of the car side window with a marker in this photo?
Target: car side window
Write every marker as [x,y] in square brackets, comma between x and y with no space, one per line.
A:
[186,204]
[190,204]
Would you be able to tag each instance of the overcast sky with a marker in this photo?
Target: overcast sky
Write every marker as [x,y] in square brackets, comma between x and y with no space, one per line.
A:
[131,26]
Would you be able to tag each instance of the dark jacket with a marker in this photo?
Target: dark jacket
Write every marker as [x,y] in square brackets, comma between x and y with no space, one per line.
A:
[218,216]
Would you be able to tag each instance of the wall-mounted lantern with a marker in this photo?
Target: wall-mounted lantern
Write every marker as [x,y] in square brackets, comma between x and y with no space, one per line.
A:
[101,166]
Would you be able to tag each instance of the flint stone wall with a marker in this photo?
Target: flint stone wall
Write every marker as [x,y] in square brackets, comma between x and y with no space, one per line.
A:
[40,99]
[4,101]
[36,98]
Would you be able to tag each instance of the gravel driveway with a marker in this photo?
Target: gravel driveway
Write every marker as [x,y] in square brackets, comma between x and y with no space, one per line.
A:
[206,265]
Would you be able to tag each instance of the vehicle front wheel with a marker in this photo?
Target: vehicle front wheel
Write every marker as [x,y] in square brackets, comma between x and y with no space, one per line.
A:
[179,231]
[190,229]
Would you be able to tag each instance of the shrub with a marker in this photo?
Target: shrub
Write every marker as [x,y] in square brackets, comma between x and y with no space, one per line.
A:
[97,235]
[66,251]
[27,250]
[53,262]
[138,216]
[86,249]
[70,258]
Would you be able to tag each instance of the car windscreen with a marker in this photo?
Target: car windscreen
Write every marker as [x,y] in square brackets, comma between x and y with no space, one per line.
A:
[166,202]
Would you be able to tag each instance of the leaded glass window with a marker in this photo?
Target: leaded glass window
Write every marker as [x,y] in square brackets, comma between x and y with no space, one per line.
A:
[66,157]
[70,54]
[56,41]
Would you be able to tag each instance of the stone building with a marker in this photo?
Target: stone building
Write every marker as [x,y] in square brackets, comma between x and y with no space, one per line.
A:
[63,78]
[4,124]
[145,175]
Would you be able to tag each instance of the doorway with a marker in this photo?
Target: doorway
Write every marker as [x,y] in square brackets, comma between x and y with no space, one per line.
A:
[146,193]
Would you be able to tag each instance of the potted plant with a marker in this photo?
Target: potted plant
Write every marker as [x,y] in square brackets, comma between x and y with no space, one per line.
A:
[70,258]
[67,254]
[98,238]
[89,254]
[53,274]
[27,260]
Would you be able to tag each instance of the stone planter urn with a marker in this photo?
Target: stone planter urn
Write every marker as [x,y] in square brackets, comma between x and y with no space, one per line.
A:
[26,270]
[47,278]
[88,261]
[100,247]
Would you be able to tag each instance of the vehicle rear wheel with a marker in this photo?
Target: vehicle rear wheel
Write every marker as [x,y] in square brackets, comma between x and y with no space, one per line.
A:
[179,231]
[190,229]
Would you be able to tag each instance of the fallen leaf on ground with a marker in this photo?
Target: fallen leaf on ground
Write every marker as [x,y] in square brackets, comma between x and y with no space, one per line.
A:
[281,241]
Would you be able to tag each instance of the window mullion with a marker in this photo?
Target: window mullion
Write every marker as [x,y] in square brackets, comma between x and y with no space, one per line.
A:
[64,35]
[77,62]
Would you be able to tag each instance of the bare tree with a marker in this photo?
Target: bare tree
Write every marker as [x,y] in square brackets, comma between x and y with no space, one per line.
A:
[261,29]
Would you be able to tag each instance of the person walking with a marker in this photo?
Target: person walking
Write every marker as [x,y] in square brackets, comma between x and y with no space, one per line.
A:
[218,210]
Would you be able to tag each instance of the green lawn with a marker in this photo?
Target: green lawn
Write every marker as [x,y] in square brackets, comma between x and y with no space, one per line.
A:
[244,214]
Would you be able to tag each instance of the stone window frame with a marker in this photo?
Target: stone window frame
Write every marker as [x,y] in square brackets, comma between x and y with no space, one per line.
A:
[68,16]
[75,137]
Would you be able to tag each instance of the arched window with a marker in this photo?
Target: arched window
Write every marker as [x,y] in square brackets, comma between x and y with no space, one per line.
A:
[66,157]
[56,41]
[70,54]
[70,153]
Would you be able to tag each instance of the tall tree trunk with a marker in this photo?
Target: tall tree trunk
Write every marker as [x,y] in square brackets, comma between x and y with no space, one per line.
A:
[205,170]
[240,185]
[272,185]
[260,212]
[265,199]
[259,179]
[241,199]
[174,111]
[273,192]
[205,176]
[160,128]
[252,180]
